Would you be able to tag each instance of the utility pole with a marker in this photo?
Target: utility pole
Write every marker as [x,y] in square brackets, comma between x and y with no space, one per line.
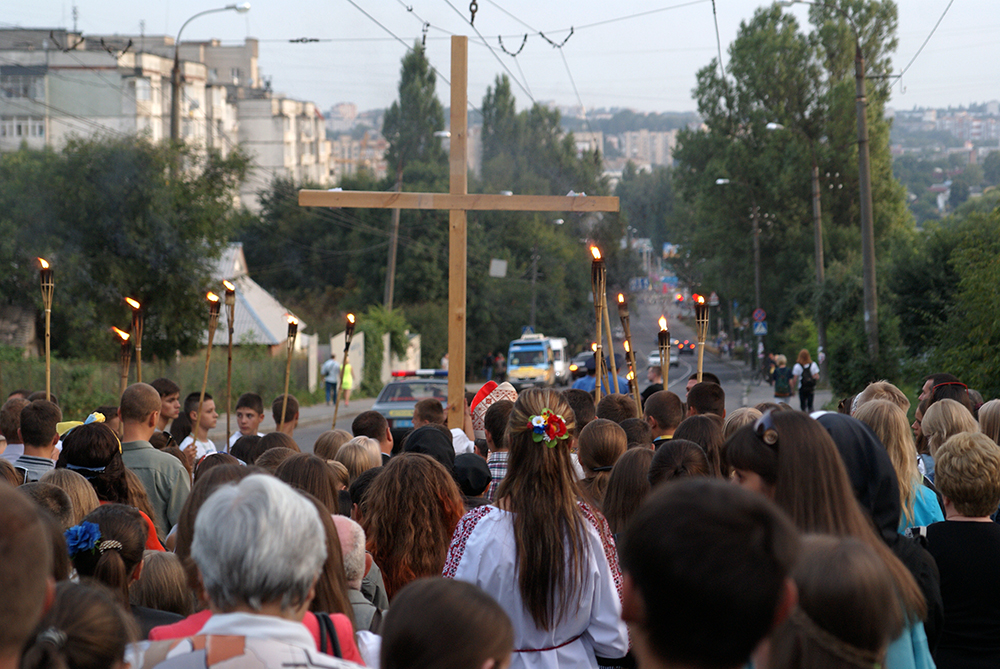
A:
[864,179]
[390,276]
[820,272]
[867,226]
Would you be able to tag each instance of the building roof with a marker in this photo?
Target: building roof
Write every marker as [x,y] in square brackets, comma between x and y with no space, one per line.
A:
[258,317]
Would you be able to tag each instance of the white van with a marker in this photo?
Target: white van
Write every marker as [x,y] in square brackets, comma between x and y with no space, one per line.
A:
[560,360]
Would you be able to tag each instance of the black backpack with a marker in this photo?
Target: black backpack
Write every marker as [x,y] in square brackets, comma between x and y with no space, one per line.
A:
[808,380]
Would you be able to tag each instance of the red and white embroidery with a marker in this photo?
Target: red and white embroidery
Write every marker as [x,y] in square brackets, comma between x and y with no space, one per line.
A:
[461,535]
[607,541]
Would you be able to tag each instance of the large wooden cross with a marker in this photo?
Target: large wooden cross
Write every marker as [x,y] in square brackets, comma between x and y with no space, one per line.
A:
[457,201]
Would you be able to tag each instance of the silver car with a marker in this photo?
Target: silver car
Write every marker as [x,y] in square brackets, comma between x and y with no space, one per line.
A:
[398,397]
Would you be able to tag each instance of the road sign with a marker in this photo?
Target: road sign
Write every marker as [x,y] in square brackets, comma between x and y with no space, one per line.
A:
[760,328]
[759,315]
[713,299]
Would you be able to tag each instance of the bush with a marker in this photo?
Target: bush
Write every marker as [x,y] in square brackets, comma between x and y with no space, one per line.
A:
[82,386]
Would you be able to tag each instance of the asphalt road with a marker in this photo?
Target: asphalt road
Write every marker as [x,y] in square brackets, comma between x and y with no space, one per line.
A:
[644,314]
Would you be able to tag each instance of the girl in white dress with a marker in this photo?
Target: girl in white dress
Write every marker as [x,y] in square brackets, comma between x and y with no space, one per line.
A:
[545,556]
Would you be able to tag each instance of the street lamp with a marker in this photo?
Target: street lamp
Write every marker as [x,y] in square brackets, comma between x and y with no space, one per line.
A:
[175,73]
[864,179]
[818,233]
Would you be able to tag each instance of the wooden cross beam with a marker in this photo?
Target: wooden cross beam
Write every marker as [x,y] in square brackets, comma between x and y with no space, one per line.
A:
[457,201]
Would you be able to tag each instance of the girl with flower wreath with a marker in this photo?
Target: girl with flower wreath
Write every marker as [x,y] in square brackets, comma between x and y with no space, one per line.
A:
[546,557]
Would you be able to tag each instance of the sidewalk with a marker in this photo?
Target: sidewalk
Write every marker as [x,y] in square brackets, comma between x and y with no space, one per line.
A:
[740,392]
[310,416]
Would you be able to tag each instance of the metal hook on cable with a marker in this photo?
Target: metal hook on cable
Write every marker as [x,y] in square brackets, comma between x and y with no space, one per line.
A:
[561,44]
[504,49]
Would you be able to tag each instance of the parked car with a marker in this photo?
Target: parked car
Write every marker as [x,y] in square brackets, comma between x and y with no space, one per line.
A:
[684,347]
[654,358]
[400,396]
[578,365]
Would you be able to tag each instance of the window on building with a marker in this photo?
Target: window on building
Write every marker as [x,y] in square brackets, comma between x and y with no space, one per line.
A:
[235,74]
[22,86]
[6,126]
[143,90]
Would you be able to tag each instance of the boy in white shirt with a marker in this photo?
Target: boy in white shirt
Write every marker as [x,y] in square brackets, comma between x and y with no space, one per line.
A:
[249,415]
[200,425]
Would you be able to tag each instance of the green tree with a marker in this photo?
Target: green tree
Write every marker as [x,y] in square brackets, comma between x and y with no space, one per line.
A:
[528,153]
[647,201]
[114,223]
[412,120]
[959,192]
[970,338]
[991,168]
[804,82]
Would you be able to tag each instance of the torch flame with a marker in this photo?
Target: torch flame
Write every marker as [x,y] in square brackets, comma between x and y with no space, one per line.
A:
[350,318]
[627,347]
[133,303]
[630,376]
[621,298]
[596,252]
[663,323]
[120,333]
[593,347]
[229,287]
[212,297]
[698,298]
[292,320]
[44,263]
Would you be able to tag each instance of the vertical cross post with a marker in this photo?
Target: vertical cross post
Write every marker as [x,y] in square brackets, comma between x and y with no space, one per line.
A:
[457,231]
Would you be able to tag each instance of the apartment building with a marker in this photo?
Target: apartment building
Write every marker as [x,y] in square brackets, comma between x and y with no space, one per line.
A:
[58,84]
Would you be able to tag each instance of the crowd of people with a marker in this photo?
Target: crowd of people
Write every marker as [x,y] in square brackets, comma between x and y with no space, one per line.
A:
[549,532]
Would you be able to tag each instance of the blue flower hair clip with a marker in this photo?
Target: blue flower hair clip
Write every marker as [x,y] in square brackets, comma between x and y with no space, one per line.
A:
[83,537]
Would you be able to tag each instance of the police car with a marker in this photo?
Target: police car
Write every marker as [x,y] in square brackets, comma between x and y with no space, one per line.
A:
[399,396]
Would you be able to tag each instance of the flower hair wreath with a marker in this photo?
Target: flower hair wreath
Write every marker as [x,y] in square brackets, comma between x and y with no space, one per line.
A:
[87,537]
[548,427]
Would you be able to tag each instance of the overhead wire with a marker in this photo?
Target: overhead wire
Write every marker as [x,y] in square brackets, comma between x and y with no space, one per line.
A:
[408,47]
[933,30]
[492,51]
[82,119]
[396,37]
[718,41]
[562,54]
[635,16]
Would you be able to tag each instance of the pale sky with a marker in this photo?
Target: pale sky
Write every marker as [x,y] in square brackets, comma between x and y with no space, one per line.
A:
[647,63]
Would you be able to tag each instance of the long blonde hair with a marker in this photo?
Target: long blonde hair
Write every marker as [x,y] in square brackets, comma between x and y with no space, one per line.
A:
[888,422]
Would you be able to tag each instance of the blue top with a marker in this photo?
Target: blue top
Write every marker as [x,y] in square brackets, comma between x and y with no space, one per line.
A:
[589,382]
[926,509]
